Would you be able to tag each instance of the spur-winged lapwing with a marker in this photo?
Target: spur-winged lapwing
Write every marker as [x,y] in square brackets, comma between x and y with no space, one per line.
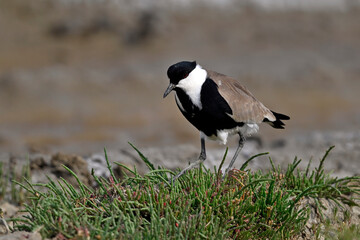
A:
[218,106]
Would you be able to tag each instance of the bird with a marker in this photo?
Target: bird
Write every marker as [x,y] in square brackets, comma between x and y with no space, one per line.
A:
[218,106]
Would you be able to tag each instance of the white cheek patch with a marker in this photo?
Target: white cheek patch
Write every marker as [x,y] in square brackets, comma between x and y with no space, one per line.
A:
[192,85]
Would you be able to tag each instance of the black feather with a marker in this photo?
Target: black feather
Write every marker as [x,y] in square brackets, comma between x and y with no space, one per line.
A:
[278,123]
[215,111]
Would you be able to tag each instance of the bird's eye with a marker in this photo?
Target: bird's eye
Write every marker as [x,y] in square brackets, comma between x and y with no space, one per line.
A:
[186,75]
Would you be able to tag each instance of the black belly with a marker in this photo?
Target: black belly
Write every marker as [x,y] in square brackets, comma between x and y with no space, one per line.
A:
[213,115]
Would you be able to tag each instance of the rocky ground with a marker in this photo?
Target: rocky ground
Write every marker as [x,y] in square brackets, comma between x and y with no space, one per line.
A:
[342,160]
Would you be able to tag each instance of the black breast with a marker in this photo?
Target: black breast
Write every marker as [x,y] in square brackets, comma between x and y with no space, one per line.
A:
[213,115]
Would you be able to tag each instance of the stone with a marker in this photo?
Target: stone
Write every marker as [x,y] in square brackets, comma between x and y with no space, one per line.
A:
[21,236]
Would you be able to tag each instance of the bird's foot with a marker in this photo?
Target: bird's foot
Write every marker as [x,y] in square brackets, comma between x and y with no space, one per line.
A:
[202,156]
[226,173]
[191,166]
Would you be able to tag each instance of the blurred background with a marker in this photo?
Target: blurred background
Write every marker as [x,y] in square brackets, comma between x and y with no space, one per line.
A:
[77,76]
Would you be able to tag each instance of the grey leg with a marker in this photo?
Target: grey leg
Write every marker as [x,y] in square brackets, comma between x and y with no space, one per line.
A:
[240,146]
[203,151]
[201,159]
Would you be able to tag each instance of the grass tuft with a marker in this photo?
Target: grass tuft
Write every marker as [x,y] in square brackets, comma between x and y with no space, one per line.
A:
[10,187]
[199,205]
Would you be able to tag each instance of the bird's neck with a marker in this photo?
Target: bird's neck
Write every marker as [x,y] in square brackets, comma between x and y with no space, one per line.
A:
[192,85]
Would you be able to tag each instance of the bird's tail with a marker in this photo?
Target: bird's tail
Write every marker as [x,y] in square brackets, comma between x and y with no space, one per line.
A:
[278,123]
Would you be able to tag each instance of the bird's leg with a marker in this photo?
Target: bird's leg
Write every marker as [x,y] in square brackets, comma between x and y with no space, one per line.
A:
[240,146]
[203,151]
[201,159]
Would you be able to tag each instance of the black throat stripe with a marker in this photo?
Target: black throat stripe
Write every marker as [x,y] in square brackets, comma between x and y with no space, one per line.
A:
[213,115]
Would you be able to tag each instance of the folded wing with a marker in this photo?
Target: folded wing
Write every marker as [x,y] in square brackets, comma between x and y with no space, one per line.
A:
[245,107]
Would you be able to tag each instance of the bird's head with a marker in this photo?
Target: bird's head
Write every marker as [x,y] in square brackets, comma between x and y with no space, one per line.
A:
[178,72]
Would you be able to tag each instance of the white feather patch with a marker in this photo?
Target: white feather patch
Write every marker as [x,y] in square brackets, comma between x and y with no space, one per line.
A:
[192,85]
[249,129]
[246,130]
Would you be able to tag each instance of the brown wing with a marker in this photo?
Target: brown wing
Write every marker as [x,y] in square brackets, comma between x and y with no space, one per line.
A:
[245,107]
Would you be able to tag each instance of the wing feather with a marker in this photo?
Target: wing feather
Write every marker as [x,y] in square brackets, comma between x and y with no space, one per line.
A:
[245,107]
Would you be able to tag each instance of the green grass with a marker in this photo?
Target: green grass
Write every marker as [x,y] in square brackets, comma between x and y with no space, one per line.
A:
[341,231]
[199,205]
[9,189]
